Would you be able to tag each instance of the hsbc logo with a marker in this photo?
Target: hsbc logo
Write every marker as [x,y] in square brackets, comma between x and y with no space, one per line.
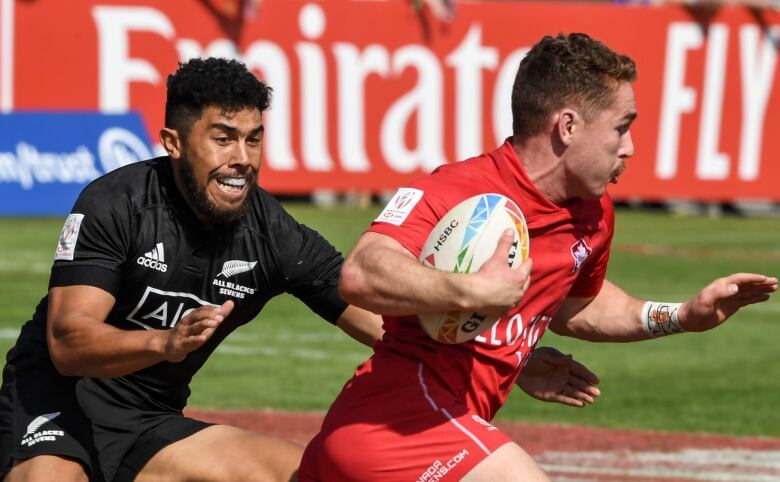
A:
[163,309]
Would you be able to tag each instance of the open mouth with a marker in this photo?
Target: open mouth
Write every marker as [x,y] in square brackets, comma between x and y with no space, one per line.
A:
[232,185]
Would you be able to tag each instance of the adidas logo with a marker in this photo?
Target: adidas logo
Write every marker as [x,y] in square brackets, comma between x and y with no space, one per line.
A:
[157,254]
[154,259]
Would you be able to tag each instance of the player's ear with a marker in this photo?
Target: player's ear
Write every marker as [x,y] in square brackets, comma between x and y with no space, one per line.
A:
[565,125]
[171,142]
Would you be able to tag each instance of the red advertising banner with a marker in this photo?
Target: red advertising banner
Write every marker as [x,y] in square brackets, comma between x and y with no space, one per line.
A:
[371,94]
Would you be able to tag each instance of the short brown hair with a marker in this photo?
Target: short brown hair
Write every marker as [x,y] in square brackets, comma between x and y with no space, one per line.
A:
[569,69]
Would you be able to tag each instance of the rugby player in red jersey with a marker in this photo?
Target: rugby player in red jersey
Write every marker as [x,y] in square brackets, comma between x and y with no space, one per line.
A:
[420,410]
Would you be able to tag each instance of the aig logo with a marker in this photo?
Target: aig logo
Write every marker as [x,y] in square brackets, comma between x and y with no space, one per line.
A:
[163,309]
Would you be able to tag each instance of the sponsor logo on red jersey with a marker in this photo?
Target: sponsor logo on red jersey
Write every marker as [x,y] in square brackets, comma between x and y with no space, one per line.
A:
[398,209]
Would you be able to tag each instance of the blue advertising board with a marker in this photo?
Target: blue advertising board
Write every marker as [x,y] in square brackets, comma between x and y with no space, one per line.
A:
[46,159]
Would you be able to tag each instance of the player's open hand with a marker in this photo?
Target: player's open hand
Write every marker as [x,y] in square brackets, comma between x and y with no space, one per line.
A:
[194,330]
[551,376]
[500,288]
[717,301]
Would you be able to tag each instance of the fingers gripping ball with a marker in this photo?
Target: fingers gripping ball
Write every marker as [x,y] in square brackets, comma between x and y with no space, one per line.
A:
[462,241]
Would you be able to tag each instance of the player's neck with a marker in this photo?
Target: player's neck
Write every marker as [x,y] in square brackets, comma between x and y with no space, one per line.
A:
[543,167]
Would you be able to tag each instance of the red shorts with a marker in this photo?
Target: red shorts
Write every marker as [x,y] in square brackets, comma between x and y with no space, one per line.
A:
[394,422]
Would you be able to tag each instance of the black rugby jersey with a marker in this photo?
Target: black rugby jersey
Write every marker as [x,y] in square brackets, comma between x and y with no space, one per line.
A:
[132,234]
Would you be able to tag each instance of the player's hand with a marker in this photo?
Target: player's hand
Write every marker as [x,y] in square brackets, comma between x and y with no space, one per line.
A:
[500,288]
[717,301]
[551,376]
[192,331]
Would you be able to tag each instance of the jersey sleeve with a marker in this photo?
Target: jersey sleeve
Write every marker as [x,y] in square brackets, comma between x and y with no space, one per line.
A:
[591,278]
[310,267]
[412,213]
[94,240]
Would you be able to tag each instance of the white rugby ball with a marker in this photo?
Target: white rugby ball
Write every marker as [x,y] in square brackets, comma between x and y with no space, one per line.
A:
[462,241]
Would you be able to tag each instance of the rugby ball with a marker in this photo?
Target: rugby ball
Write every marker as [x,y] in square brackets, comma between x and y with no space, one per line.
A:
[462,241]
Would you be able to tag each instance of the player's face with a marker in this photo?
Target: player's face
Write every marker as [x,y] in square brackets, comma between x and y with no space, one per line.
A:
[602,146]
[220,160]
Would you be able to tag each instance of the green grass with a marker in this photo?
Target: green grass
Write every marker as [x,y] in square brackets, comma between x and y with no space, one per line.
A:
[724,381]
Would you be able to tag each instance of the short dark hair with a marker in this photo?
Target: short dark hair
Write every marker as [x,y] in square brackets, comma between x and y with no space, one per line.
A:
[200,83]
[565,70]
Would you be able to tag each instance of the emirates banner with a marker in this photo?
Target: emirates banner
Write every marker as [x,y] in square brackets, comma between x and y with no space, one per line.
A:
[371,94]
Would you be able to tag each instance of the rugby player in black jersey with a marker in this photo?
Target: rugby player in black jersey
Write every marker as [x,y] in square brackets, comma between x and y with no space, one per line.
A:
[156,264]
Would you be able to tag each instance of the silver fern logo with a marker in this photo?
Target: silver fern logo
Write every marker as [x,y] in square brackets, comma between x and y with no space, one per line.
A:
[234,267]
[34,435]
[229,288]
[40,420]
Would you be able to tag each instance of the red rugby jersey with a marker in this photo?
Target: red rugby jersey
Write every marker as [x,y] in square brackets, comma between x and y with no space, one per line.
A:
[569,246]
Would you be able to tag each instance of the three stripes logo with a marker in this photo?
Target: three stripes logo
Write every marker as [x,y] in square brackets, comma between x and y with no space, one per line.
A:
[157,253]
[154,259]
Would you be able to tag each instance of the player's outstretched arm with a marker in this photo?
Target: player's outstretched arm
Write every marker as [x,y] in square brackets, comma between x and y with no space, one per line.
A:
[551,376]
[382,276]
[81,343]
[614,315]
